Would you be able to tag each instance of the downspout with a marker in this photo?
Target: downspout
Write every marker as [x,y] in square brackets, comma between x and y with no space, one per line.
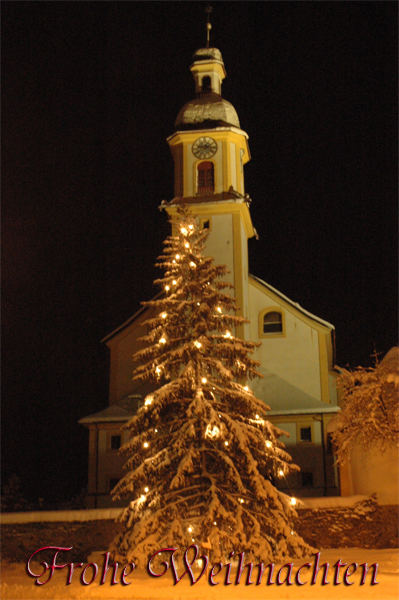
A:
[96,486]
[323,449]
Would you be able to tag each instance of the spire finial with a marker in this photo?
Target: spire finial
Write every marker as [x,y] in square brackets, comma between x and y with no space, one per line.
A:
[208,11]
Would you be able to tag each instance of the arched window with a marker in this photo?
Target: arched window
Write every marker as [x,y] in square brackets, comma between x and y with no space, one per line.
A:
[272,322]
[206,180]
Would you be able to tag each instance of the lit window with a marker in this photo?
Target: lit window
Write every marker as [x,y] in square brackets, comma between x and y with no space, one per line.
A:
[206,180]
[272,322]
[115,442]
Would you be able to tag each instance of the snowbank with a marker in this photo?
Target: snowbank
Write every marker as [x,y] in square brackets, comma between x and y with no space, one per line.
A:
[47,516]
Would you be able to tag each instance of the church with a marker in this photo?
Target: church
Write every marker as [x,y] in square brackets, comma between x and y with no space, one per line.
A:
[296,347]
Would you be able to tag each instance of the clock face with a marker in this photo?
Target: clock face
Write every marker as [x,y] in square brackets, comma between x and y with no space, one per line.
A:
[204,147]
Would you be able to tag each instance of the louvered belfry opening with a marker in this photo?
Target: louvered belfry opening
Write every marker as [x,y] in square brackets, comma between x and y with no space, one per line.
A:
[206,179]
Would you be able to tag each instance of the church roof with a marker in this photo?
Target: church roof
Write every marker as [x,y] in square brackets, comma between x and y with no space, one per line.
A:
[292,303]
[209,110]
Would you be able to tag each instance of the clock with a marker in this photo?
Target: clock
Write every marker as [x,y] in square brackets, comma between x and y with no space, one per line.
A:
[204,147]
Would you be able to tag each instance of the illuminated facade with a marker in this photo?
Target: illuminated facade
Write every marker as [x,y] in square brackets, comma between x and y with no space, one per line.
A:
[296,352]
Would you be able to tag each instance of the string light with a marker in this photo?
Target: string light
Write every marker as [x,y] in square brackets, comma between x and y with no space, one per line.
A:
[167,288]
[192,264]
[218,309]
[174,282]
[246,388]
[268,444]
[280,473]
[198,303]
[158,371]
[148,400]
[145,445]
[146,489]
[241,500]
[227,335]
[204,380]
[183,230]
[164,315]
[197,344]
[186,245]
[214,523]
[293,501]
[212,432]
[156,430]
[162,340]
[226,443]
[173,261]
[190,529]
[177,257]
[191,227]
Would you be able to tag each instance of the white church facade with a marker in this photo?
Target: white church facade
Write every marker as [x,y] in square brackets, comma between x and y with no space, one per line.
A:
[296,348]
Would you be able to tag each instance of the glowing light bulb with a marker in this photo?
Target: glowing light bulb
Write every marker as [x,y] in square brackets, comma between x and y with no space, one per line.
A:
[146,489]
[191,227]
[167,288]
[173,261]
[183,230]
[158,371]
[174,282]
[145,445]
[227,335]
[156,430]
[198,303]
[246,388]
[186,245]
[226,443]
[204,380]
[214,523]
[280,473]
[293,501]
[192,264]
[292,532]
[241,500]
[162,340]
[212,432]
[164,315]
[268,444]
[190,529]
[197,344]
[148,401]
[177,257]
[257,417]
[218,309]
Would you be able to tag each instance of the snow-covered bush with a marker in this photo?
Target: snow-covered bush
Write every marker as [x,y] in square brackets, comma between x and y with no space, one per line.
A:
[369,414]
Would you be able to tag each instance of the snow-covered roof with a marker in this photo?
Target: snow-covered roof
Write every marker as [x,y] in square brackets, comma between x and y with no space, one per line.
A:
[292,303]
[111,414]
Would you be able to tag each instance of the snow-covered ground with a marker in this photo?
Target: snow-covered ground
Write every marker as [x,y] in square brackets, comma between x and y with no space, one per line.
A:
[17,585]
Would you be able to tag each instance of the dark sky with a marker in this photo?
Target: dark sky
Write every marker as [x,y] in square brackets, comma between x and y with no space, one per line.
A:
[90,92]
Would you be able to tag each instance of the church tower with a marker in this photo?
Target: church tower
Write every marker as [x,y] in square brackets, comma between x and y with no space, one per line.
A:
[209,150]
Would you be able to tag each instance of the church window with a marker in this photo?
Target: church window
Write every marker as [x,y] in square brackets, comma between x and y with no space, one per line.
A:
[307,479]
[206,179]
[112,483]
[305,434]
[272,322]
[115,442]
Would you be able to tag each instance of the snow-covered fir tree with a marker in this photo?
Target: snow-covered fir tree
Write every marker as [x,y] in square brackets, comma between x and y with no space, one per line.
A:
[369,414]
[202,459]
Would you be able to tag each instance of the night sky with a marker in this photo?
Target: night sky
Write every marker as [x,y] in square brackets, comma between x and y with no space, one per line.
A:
[90,92]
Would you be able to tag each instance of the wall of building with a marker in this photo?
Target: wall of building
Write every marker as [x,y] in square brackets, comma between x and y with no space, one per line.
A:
[289,362]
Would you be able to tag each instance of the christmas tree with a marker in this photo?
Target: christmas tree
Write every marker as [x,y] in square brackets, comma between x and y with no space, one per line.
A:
[202,457]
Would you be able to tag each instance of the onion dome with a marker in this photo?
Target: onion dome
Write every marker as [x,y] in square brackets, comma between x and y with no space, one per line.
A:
[208,109]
